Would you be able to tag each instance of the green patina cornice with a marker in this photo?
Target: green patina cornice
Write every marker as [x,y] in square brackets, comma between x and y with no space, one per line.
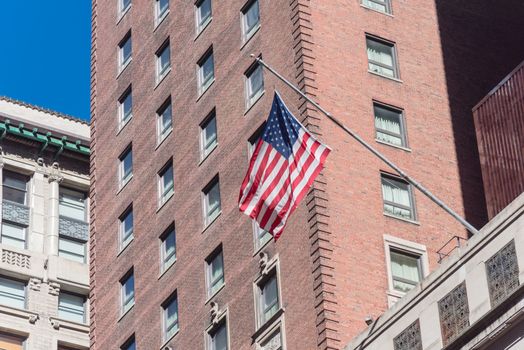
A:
[46,139]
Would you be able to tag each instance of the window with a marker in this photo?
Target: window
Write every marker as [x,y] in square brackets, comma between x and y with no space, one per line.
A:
[126,228]
[124,52]
[398,197]
[123,6]
[71,307]
[170,316]
[164,120]
[13,234]
[165,183]
[11,342]
[126,166]
[208,134]
[72,249]
[378,5]
[14,187]
[161,10]
[211,201]
[125,108]
[406,270]
[250,19]
[163,61]
[206,71]
[127,285]
[254,84]
[215,272]
[261,236]
[389,125]
[217,337]
[381,57]
[168,247]
[268,300]
[129,344]
[72,204]
[12,292]
[203,14]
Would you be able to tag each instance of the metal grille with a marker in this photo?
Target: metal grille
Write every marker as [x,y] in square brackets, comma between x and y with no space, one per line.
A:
[454,313]
[503,274]
[409,339]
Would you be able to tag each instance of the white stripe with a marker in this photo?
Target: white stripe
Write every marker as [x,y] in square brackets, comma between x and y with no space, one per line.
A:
[254,170]
[274,192]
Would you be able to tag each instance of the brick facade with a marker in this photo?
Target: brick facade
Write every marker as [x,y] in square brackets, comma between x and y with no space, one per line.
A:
[331,256]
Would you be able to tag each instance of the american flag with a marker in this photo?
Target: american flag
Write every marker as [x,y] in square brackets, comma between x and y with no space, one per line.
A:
[286,161]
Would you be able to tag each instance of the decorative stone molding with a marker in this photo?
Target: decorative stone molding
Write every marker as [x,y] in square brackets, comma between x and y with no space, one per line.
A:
[16,259]
[214,313]
[33,318]
[54,174]
[34,283]
[54,288]
[15,212]
[73,228]
[265,264]
[54,323]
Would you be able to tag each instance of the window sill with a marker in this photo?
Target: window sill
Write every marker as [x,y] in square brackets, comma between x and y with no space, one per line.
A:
[161,78]
[215,293]
[165,202]
[254,102]
[262,328]
[161,141]
[166,268]
[202,92]
[414,222]
[161,19]
[385,76]
[77,326]
[125,313]
[377,11]
[260,248]
[392,145]
[121,126]
[204,157]
[164,344]
[123,185]
[246,39]
[123,248]
[122,68]
[123,14]
[201,29]
[211,222]
[14,311]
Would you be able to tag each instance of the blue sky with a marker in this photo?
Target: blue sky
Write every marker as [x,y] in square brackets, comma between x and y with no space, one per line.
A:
[45,52]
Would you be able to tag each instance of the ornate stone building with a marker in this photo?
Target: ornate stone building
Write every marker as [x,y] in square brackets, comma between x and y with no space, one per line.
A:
[44,270]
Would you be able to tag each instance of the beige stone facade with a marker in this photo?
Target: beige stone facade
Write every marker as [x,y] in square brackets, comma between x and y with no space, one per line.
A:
[44,274]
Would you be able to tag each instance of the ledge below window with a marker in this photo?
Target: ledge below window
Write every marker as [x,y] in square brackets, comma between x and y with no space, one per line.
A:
[414,222]
[267,324]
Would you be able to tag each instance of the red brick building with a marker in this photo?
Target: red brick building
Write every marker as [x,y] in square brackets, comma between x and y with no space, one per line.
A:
[176,103]
[500,133]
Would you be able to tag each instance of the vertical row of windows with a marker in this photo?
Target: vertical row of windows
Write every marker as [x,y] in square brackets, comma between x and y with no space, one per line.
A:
[14,189]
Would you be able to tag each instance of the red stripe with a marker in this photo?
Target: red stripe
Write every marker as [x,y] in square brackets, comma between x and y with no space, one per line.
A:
[269,190]
[258,176]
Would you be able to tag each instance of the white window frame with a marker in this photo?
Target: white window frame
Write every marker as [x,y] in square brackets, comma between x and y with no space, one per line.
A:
[14,224]
[121,170]
[273,270]
[124,119]
[267,334]
[123,307]
[402,121]
[411,248]
[121,222]
[123,10]
[67,238]
[246,33]
[209,271]
[84,305]
[167,260]
[412,208]
[122,62]
[222,320]
[393,46]
[72,192]
[164,306]
[19,175]
[205,201]
[385,3]
[165,194]
[19,282]
[204,152]
[162,73]
[163,134]
[159,14]
[203,86]
[252,98]
[127,344]
[199,25]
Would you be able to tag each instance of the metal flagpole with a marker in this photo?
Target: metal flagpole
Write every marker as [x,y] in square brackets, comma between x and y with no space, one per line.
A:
[405,176]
